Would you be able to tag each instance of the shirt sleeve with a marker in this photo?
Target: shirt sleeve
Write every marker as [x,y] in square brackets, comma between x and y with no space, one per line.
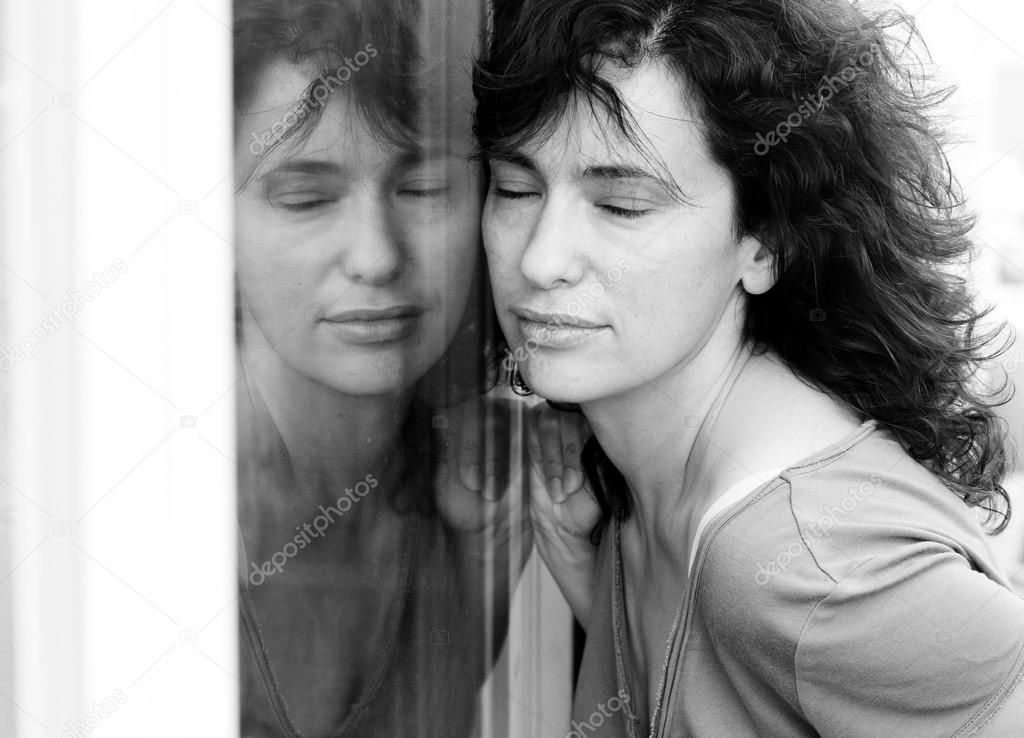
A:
[914,643]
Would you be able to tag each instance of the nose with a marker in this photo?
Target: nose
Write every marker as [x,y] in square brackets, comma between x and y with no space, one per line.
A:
[551,256]
[375,255]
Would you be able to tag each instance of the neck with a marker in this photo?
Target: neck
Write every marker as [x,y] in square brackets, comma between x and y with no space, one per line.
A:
[328,435]
[657,435]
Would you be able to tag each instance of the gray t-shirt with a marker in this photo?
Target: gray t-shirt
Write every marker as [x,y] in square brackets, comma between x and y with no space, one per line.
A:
[852,595]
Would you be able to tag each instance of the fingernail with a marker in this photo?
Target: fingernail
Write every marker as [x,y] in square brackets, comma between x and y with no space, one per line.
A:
[556,490]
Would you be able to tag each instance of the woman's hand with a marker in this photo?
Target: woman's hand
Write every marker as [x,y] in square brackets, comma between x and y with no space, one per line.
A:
[479,492]
[481,496]
[562,505]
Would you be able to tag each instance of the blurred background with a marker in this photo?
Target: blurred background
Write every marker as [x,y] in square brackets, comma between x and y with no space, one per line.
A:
[117,512]
[979,47]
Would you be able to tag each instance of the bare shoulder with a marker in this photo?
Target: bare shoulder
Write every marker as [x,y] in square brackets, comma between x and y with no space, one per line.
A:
[775,419]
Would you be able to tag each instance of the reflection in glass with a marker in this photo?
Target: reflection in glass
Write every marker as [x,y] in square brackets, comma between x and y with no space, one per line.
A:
[372,590]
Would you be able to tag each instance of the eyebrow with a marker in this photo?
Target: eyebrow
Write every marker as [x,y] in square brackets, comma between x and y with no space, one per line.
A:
[313,167]
[625,171]
[409,157]
[607,171]
[514,158]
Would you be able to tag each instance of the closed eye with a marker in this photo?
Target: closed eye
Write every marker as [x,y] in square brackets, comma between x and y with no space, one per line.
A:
[627,213]
[426,192]
[424,187]
[302,201]
[514,194]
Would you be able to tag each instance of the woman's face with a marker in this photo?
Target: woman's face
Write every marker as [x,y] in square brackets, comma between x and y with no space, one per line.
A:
[355,257]
[603,280]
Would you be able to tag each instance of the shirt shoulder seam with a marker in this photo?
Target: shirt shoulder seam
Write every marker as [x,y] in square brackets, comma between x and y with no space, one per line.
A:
[995,703]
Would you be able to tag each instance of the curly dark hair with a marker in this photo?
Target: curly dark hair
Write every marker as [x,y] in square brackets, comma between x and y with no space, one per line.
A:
[837,166]
[402,88]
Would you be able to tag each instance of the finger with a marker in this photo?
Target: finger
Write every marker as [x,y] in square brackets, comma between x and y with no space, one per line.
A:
[572,436]
[549,428]
[470,446]
[447,439]
[532,432]
[537,484]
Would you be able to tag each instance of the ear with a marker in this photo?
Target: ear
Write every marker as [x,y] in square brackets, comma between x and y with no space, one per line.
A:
[757,266]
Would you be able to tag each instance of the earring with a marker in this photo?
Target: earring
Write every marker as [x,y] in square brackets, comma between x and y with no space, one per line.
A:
[516,381]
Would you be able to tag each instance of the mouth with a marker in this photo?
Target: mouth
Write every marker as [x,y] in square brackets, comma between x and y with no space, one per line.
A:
[375,325]
[555,330]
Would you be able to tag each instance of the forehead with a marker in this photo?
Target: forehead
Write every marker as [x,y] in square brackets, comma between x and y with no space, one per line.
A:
[669,132]
[341,133]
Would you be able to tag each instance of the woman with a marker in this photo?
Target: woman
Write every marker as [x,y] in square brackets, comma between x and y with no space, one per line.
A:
[375,582]
[725,231]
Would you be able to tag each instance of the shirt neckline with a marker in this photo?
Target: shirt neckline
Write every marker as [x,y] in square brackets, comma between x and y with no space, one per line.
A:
[681,621]
[394,617]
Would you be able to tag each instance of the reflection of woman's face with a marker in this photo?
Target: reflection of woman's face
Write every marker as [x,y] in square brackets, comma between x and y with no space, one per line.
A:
[355,257]
[603,280]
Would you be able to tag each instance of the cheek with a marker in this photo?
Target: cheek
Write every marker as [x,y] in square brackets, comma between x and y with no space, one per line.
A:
[274,308]
[503,270]
[504,276]
[444,253]
[505,237]
[666,300]
[276,282]
[445,267]
[272,272]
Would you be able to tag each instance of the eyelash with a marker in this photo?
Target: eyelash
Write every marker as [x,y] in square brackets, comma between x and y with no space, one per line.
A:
[300,207]
[431,192]
[512,194]
[624,212]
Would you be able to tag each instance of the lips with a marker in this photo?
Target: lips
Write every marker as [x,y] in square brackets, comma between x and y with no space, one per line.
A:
[555,330]
[554,319]
[374,325]
[371,314]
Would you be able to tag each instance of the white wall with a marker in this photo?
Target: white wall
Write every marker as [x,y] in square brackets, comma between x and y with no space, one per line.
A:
[118,471]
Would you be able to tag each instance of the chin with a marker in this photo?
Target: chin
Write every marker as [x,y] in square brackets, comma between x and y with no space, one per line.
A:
[563,381]
[372,386]
[372,376]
